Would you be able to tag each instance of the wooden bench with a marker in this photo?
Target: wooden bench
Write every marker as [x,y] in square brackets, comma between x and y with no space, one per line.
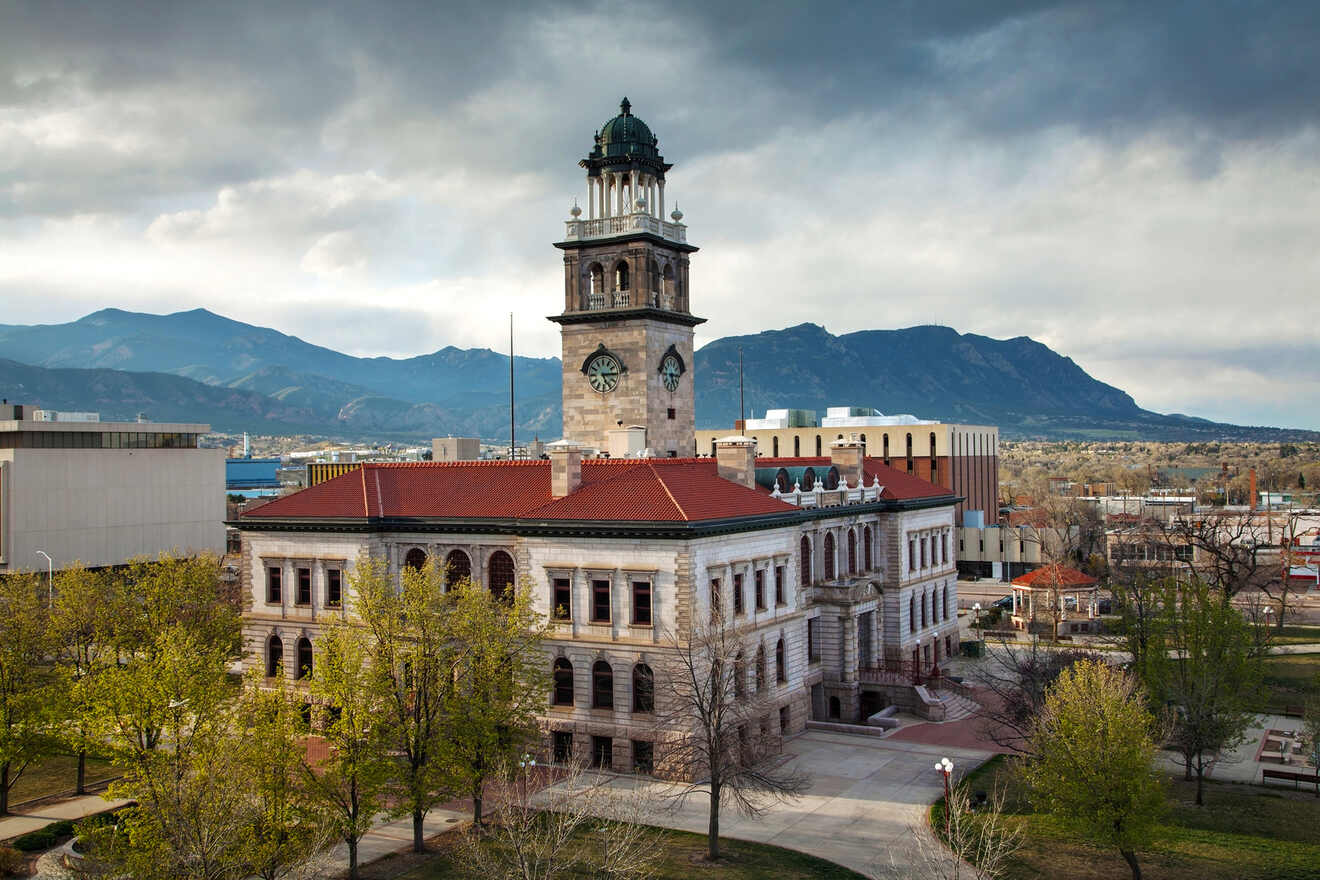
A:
[1291,776]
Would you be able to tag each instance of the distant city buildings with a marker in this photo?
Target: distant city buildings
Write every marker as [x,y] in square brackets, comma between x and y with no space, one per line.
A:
[100,493]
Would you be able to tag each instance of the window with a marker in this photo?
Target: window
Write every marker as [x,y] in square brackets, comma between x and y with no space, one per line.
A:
[562,744]
[912,554]
[672,414]
[641,604]
[600,601]
[273,585]
[334,587]
[925,608]
[415,559]
[912,613]
[304,586]
[774,447]
[805,561]
[829,556]
[781,670]
[643,757]
[944,548]
[458,568]
[760,668]
[866,548]
[501,575]
[621,276]
[852,552]
[784,717]
[758,588]
[274,656]
[886,450]
[304,659]
[602,752]
[715,598]
[944,603]
[779,585]
[563,671]
[643,681]
[602,686]
[797,446]
[561,599]
[909,453]
[813,640]
[924,562]
[738,593]
[817,445]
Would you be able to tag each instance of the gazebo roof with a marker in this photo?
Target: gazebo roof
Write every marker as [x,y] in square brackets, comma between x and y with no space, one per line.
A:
[1051,576]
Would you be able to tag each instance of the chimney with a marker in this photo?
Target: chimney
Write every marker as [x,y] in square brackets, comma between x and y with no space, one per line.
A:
[565,469]
[735,460]
[846,455]
[1252,489]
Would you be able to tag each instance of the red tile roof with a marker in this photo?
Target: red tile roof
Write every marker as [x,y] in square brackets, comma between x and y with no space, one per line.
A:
[615,490]
[1054,576]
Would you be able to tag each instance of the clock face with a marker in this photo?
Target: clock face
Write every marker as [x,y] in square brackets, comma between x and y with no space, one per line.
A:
[670,371]
[603,373]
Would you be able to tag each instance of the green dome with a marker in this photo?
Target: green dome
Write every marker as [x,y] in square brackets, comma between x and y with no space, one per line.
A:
[625,134]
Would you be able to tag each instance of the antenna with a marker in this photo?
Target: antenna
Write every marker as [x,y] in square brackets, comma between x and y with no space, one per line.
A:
[742,410]
[511,417]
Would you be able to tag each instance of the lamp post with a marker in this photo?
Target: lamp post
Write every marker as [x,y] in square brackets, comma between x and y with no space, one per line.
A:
[976,610]
[50,578]
[945,766]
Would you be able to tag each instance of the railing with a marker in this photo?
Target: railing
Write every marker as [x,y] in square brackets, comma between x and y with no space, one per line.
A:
[604,227]
[819,496]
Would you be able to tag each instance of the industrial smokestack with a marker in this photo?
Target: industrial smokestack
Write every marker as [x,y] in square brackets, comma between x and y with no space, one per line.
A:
[1252,488]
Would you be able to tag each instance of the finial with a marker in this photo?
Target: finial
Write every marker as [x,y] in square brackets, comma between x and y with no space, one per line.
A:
[625,107]
[676,214]
[575,210]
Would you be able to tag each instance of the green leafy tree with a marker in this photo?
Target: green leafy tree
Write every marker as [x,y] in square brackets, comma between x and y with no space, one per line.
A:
[1094,745]
[154,595]
[347,769]
[412,653]
[1210,674]
[499,684]
[25,679]
[81,628]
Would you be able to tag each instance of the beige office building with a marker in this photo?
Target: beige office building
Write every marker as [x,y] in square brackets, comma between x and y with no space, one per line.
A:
[102,493]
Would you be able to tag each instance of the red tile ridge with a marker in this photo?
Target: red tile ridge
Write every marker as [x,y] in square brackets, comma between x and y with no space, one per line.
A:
[672,499]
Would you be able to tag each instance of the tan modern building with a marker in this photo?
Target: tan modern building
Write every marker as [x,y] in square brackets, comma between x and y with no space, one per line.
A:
[962,458]
[102,493]
[455,449]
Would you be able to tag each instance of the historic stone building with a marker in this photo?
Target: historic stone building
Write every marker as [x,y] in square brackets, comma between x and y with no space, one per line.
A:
[829,567]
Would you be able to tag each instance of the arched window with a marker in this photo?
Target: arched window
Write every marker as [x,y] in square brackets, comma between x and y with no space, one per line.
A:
[621,275]
[712,448]
[818,445]
[852,552]
[655,276]
[781,670]
[797,445]
[643,688]
[775,447]
[304,659]
[563,695]
[739,675]
[886,450]
[668,281]
[760,667]
[274,656]
[866,547]
[501,575]
[829,556]
[597,272]
[781,480]
[458,568]
[808,479]
[415,559]
[602,686]
[805,561]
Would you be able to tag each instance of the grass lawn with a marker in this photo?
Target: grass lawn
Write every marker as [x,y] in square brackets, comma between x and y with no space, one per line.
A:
[1296,634]
[683,860]
[1292,679]
[1242,833]
[57,774]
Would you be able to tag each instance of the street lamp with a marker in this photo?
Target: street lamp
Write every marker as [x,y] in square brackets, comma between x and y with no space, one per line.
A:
[976,609]
[945,766]
[50,578]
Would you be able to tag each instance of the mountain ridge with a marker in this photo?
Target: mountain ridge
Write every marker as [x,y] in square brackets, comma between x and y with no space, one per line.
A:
[287,384]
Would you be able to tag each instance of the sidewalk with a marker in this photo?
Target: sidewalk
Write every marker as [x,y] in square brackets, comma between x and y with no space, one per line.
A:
[42,815]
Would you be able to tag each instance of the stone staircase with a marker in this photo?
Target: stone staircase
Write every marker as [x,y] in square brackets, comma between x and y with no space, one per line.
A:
[957,707]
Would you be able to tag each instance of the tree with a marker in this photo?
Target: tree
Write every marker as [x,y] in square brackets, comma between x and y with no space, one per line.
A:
[1138,599]
[979,842]
[1210,674]
[348,777]
[1224,550]
[718,727]
[543,814]
[1093,746]
[412,654]
[25,679]
[1016,679]
[81,635]
[499,684]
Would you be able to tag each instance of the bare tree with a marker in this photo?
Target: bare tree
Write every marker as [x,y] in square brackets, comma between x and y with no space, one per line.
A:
[978,843]
[718,724]
[537,831]
[1015,678]
[1224,550]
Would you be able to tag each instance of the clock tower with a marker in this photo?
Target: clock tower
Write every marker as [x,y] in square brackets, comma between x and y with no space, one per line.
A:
[626,327]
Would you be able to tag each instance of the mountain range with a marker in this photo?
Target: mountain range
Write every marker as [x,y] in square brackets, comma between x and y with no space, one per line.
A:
[199,366]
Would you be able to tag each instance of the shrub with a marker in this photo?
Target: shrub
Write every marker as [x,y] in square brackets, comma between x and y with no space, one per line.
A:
[12,862]
[35,841]
[62,828]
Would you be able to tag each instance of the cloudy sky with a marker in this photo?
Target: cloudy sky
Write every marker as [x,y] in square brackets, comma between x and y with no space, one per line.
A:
[1136,185]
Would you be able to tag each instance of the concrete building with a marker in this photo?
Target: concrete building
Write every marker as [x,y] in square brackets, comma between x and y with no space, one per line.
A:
[455,449]
[962,458]
[101,493]
[830,567]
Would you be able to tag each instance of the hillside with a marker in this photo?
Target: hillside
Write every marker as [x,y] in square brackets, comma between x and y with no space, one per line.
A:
[199,366]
